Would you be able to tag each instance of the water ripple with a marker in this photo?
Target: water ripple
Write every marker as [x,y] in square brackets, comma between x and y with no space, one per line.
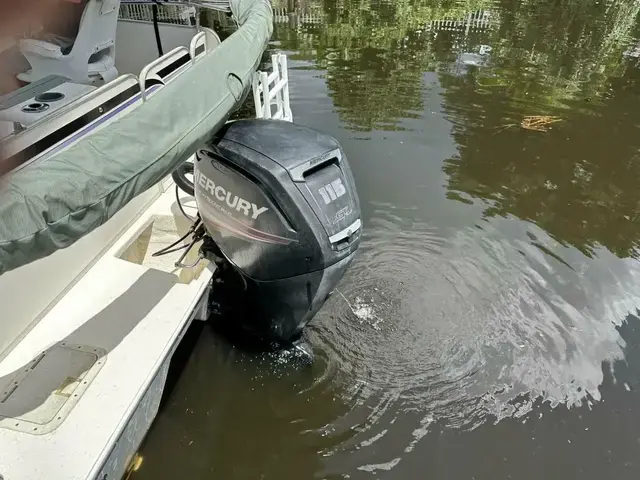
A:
[466,329]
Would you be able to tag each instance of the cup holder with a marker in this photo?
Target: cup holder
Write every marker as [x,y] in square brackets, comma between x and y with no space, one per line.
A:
[49,97]
[35,107]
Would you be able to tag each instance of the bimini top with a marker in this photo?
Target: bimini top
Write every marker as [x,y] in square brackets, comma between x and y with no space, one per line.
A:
[49,205]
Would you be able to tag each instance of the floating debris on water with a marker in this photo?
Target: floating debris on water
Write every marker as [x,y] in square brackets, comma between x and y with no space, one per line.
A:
[539,123]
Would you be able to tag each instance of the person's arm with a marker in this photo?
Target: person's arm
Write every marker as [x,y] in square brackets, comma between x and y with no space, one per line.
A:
[66,21]
[17,16]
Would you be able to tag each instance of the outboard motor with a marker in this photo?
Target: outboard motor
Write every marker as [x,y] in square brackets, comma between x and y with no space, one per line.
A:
[279,204]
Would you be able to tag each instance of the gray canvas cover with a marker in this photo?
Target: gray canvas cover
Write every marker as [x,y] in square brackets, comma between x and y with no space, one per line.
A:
[53,204]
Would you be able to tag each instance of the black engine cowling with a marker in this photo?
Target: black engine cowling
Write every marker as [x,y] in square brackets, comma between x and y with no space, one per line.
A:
[280,203]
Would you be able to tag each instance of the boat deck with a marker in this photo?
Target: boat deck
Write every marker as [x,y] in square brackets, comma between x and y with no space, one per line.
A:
[79,392]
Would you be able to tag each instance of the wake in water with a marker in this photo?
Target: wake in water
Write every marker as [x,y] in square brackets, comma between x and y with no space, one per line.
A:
[363,311]
[465,330]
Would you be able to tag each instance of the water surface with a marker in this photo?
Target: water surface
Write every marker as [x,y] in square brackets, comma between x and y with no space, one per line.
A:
[487,329]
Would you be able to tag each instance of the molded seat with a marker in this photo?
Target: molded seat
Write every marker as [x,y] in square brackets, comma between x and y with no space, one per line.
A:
[91,58]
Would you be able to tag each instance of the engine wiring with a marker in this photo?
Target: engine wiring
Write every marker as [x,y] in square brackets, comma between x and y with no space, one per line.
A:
[193,230]
[179,202]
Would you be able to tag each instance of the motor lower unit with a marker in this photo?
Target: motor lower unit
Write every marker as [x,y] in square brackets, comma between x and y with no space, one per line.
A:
[279,204]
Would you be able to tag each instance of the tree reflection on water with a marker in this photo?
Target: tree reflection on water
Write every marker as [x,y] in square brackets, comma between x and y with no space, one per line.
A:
[497,62]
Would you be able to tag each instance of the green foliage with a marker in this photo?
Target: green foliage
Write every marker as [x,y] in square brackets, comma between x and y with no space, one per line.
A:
[374,52]
[560,57]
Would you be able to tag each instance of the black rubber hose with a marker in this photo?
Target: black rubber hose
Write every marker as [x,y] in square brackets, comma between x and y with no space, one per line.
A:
[180,177]
[156,29]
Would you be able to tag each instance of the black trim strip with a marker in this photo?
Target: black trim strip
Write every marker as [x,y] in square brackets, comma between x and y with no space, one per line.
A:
[77,124]
[186,58]
[71,127]
[169,69]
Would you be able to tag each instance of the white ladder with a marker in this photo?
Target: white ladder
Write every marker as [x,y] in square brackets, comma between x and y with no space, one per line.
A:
[272,89]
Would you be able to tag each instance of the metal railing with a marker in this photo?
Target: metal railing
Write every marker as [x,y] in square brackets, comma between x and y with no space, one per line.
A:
[172,14]
[272,90]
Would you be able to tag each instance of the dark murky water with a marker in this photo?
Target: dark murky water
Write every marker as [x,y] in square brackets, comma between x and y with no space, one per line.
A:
[487,328]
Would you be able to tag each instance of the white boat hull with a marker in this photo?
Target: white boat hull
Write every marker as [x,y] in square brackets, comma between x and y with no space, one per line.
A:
[29,292]
[132,317]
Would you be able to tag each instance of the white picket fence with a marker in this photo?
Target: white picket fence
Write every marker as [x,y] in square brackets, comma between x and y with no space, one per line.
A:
[282,15]
[480,20]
